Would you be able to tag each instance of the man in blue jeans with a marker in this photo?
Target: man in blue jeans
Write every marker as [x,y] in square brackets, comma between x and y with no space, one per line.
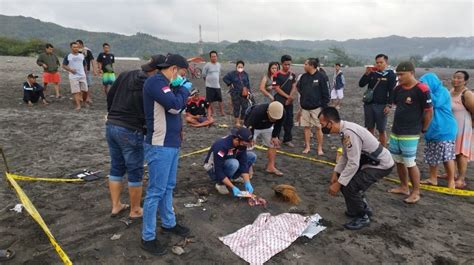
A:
[124,131]
[228,159]
[163,107]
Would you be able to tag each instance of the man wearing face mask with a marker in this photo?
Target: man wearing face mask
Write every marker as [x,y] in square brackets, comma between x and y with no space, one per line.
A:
[228,160]
[363,162]
[163,139]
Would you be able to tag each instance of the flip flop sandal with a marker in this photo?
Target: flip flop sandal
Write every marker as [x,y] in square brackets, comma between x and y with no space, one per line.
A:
[412,202]
[6,254]
[462,187]
[124,208]
[428,182]
[276,172]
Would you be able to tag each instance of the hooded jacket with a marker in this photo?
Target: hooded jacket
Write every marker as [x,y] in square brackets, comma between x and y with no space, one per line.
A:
[443,126]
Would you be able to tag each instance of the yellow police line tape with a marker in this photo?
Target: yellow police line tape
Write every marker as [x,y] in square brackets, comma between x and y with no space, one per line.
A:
[259,147]
[30,208]
[438,189]
[444,190]
[196,152]
[25,178]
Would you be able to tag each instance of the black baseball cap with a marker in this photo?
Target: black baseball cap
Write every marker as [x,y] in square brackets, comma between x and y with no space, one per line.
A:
[153,63]
[243,134]
[174,59]
[194,91]
[32,76]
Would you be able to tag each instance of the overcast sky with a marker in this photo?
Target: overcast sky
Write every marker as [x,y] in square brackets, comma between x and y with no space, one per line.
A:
[233,20]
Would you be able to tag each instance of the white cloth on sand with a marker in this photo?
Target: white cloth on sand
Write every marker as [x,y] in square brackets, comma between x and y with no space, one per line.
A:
[267,236]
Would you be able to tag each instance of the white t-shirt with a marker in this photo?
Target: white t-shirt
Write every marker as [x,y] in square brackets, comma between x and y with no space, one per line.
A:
[76,62]
[212,72]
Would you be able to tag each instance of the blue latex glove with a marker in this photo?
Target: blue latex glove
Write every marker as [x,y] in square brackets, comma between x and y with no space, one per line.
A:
[188,85]
[236,191]
[248,186]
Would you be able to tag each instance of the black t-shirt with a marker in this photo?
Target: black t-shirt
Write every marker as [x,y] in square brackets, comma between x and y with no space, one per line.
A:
[382,83]
[313,90]
[106,60]
[411,104]
[285,82]
[88,57]
[197,107]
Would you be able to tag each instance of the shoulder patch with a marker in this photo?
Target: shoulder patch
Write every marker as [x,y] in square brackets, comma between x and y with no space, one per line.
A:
[166,89]
[423,87]
[346,141]
[221,153]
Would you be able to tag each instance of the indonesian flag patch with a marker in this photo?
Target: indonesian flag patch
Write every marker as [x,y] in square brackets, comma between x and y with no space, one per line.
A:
[166,89]
[221,153]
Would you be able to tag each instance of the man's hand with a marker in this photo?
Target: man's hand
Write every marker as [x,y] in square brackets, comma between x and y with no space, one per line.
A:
[95,72]
[368,70]
[334,178]
[236,191]
[334,188]
[73,71]
[289,100]
[248,186]
[298,116]
[275,142]
[45,66]
[386,110]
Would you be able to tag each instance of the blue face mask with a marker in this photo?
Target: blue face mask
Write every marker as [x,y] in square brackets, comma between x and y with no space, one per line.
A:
[177,81]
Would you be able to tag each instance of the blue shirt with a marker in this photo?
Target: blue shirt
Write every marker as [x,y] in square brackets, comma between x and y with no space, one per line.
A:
[163,111]
[222,150]
[237,80]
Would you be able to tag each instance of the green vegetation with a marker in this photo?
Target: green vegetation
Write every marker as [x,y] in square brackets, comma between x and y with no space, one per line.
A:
[15,47]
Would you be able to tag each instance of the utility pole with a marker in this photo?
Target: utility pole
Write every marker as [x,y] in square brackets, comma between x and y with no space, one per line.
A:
[200,48]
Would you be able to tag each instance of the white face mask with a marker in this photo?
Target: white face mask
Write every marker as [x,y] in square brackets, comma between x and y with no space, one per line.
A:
[240,69]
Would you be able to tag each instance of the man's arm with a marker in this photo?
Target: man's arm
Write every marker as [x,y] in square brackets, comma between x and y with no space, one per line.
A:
[113,90]
[66,66]
[353,147]
[40,61]
[277,126]
[161,93]
[324,93]
[364,80]
[205,69]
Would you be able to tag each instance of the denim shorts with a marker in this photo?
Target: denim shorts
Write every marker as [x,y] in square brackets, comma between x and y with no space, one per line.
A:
[126,154]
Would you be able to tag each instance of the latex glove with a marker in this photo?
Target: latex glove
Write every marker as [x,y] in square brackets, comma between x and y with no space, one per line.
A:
[248,186]
[236,191]
[188,85]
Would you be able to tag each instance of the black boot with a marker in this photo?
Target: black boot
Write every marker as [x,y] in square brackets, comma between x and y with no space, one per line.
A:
[153,247]
[358,223]
[177,230]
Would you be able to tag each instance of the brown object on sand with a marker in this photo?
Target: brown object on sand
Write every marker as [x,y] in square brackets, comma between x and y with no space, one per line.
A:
[287,193]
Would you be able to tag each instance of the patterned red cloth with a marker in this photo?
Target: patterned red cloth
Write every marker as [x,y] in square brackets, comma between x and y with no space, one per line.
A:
[268,235]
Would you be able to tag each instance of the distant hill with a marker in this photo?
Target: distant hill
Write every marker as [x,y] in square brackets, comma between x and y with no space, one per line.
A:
[144,45]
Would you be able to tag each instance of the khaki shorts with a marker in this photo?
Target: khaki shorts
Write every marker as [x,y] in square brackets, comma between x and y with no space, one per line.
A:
[78,85]
[309,118]
[266,136]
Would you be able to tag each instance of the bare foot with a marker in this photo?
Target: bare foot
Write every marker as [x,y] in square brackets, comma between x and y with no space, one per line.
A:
[137,213]
[412,199]
[320,152]
[305,151]
[399,190]
[451,184]
[77,109]
[120,209]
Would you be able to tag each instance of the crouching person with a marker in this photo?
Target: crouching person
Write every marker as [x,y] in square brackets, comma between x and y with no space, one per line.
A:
[363,162]
[228,160]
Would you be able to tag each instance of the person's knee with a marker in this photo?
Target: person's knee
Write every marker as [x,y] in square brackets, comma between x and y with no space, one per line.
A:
[113,178]
[251,157]
[231,166]
[135,183]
